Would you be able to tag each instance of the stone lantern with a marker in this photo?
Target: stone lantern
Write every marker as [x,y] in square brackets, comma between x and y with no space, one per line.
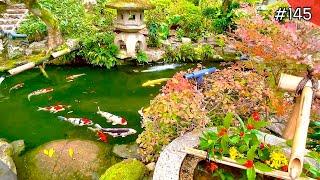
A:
[129,23]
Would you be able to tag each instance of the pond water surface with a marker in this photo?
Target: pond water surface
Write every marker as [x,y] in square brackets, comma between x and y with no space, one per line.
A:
[117,91]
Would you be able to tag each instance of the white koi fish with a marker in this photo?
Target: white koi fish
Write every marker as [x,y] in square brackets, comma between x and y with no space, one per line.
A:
[112,118]
[114,132]
[54,109]
[17,86]
[40,91]
[77,121]
[161,67]
[73,77]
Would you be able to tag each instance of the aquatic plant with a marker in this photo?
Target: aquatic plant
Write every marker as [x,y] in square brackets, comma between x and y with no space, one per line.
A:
[178,109]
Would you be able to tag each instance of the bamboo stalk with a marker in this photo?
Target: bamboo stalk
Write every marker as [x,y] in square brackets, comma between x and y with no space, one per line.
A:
[22,68]
[290,83]
[60,53]
[233,163]
[300,137]
[290,129]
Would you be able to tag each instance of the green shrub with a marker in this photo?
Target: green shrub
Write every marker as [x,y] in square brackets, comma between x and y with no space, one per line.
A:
[189,53]
[142,57]
[178,109]
[34,28]
[99,49]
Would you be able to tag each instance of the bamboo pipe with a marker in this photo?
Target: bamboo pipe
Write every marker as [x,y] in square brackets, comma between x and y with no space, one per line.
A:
[300,136]
[22,68]
[288,132]
[290,83]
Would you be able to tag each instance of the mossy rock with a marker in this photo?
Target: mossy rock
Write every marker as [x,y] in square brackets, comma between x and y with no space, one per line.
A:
[130,169]
[88,160]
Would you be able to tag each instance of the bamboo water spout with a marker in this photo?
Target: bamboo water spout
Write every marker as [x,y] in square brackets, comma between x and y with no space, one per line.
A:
[299,122]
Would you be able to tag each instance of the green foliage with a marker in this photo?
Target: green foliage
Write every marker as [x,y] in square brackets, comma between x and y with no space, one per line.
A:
[130,169]
[34,28]
[221,20]
[189,53]
[99,49]
[142,57]
[178,109]
[241,144]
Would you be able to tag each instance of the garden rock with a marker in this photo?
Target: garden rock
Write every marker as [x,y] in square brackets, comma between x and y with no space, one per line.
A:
[14,51]
[6,151]
[130,169]
[185,40]
[126,151]
[69,159]
[18,147]
[36,47]
[155,55]
[151,166]
[6,173]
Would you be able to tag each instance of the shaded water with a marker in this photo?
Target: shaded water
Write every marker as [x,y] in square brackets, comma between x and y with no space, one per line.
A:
[117,91]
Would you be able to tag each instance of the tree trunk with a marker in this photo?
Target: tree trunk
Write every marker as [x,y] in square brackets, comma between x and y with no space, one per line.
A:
[54,34]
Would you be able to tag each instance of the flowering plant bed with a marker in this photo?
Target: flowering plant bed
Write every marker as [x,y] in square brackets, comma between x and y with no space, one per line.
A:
[240,147]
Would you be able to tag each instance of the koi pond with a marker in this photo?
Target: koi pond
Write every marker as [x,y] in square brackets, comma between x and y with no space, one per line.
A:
[118,91]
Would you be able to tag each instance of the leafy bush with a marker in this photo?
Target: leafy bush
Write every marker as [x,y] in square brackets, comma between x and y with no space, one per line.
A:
[263,38]
[189,53]
[99,49]
[142,57]
[237,90]
[178,109]
[241,144]
[34,28]
[222,19]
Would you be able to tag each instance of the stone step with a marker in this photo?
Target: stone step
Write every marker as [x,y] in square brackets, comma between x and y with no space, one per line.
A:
[15,16]
[17,6]
[8,21]
[7,27]
[16,11]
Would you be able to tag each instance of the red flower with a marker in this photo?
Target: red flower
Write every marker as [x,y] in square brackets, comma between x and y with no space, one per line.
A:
[248,164]
[241,134]
[211,167]
[284,168]
[256,116]
[261,146]
[250,127]
[222,132]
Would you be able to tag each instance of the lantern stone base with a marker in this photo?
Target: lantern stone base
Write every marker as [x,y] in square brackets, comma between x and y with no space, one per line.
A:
[130,43]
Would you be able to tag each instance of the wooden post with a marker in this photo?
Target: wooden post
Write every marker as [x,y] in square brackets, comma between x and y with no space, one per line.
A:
[302,117]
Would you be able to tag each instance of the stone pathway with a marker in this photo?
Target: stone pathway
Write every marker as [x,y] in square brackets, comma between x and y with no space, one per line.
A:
[12,17]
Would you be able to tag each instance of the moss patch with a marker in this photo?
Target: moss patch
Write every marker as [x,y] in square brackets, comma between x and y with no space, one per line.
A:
[89,159]
[130,169]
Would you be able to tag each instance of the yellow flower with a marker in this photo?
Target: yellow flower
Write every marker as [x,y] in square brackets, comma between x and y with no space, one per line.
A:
[277,160]
[233,153]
